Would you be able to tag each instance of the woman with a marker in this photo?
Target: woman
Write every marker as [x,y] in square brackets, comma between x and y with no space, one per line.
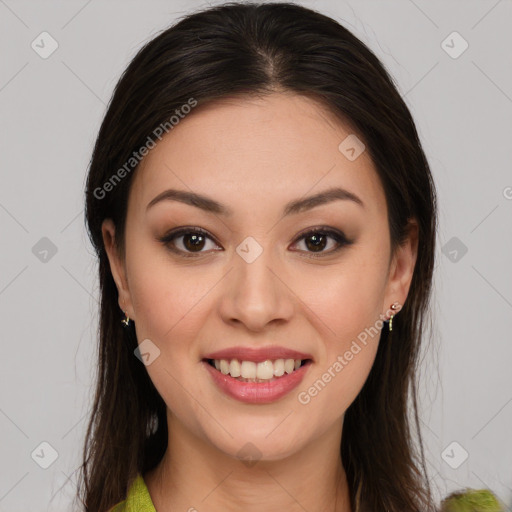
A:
[264,218]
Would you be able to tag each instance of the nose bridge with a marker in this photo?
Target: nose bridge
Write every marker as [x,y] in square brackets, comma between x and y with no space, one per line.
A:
[252,273]
[256,296]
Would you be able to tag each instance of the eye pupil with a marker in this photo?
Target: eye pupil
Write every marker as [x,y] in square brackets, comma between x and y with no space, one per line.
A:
[195,241]
[318,242]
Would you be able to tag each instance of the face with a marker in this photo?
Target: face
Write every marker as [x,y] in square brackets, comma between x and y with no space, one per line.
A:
[247,272]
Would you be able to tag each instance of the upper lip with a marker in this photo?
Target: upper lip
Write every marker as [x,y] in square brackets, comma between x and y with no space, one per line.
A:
[257,354]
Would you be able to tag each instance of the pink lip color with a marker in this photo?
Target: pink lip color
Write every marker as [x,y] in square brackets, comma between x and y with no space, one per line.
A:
[258,392]
[257,354]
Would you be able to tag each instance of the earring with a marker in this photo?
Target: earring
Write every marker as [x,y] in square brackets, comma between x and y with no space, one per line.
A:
[395,306]
[126,320]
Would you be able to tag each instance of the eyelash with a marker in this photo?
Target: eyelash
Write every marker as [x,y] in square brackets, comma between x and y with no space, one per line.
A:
[338,236]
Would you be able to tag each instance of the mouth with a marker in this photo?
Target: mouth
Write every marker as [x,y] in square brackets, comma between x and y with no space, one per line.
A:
[257,371]
[256,382]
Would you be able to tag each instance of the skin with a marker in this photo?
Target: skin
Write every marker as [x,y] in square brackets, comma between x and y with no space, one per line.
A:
[255,155]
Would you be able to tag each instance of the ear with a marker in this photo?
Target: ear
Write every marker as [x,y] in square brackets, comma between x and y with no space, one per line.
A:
[401,268]
[117,267]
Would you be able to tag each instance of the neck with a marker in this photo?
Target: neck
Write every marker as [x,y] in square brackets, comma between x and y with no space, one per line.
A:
[194,475]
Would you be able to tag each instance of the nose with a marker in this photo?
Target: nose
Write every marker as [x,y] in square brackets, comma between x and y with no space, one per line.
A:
[257,293]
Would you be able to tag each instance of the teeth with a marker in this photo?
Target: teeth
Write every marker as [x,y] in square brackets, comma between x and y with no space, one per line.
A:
[224,366]
[289,365]
[279,367]
[248,369]
[234,368]
[265,370]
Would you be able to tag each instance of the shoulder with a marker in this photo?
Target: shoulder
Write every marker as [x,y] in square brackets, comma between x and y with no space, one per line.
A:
[120,507]
[137,499]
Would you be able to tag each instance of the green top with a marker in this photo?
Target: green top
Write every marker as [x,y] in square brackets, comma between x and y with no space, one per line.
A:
[137,499]
[471,500]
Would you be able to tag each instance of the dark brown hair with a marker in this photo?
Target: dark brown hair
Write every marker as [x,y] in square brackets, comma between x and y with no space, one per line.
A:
[240,49]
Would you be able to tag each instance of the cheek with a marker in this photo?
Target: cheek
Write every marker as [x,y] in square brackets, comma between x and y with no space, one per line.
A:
[347,298]
[168,307]
[161,294]
[350,330]
[165,302]
[347,305]
[333,388]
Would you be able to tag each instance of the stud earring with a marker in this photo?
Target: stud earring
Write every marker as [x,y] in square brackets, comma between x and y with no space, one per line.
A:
[395,306]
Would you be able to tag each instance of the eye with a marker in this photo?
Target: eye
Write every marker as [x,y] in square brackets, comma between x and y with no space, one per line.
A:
[192,241]
[189,242]
[315,241]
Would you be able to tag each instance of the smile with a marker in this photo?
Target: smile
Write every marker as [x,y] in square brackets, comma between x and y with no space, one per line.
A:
[256,382]
[251,371]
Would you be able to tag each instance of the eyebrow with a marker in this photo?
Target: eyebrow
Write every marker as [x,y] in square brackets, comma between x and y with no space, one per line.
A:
[293,207]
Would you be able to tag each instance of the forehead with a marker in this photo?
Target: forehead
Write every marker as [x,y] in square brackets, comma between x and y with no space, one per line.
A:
[256,151]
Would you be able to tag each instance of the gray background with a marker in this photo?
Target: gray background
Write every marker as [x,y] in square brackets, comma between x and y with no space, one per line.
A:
[51,110]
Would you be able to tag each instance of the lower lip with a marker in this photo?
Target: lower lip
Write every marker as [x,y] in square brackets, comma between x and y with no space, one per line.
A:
[258,392]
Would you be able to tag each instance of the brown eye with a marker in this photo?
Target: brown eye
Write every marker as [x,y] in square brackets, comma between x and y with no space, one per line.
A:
[187,241]
[317,239]
[193,241]
[316,242]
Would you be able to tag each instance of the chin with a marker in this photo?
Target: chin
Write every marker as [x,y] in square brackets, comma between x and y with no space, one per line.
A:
[261,442]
